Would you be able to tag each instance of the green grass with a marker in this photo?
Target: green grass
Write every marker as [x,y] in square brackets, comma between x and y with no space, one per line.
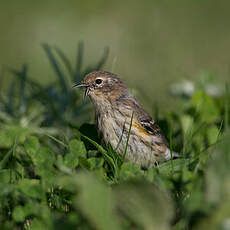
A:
[54,174]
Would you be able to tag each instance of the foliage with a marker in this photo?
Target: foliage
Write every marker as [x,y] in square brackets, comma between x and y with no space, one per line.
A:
[54,174]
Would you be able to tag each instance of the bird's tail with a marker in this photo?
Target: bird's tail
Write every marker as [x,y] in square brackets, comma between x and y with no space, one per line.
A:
[176,155]
[171,155]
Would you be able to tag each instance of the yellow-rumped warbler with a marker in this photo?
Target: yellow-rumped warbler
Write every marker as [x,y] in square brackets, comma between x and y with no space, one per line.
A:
[114,108]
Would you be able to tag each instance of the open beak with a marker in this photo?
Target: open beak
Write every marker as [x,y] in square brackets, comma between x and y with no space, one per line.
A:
[81,84]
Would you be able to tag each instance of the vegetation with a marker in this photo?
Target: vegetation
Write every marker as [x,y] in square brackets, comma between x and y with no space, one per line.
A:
[54,174]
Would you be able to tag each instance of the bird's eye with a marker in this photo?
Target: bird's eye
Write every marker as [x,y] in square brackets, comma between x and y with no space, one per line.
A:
[98,81]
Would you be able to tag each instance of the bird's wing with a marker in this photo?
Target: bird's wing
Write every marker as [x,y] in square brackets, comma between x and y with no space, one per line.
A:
[149,125]
[144,119]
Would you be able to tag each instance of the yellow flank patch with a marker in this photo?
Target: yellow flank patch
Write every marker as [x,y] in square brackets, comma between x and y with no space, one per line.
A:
[140,128]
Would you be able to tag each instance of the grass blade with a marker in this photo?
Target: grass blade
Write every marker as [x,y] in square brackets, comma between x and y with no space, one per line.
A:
[22,75]
[103,59]
[65,60]
[108,158]
[170,147]
[6,158]
[57,140]
[126,146]
[99,147]
[23,79]
[1,77]
[55,65]
[79,61]
[226,109]
[11,95]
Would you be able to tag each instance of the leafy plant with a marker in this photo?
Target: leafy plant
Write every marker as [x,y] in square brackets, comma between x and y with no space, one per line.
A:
[54,174]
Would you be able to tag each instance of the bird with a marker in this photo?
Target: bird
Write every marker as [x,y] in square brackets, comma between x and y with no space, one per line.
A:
[123,123]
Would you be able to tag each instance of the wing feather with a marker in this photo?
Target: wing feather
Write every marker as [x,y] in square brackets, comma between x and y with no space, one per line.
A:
[143,118]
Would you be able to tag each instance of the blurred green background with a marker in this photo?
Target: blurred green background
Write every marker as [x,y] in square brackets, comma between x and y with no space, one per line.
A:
[152,43]
[44,159]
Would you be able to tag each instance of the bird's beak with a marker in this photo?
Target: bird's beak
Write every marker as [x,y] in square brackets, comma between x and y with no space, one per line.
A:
[82,84]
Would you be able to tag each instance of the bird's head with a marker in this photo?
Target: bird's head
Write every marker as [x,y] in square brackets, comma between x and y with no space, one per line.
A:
[100,85]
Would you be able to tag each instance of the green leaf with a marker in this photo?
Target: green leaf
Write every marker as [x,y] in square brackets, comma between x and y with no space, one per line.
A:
[5,176]
[32,146]
[218,172]
[165,168]
[145,205]
[84,163]
[37,224]
[19,214]
[71,160]
[17,132]
[77,148]
[32,208]
[45,156]
[5,140]
[96,202]
[186,123]
[47,172]
[43,159]
[130,171]
[205,106]
[31,188]
[6,189]
[40,213]
[95,162]
[212,134]
[92,153]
